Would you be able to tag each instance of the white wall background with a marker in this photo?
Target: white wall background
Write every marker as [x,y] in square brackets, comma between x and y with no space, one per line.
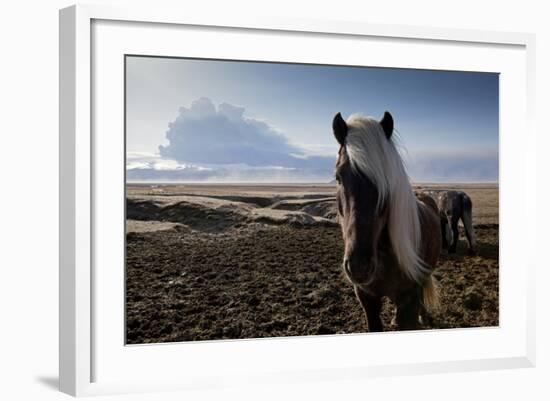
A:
[29,196]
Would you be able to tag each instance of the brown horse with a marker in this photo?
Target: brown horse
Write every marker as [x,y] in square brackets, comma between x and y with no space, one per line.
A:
[392,238]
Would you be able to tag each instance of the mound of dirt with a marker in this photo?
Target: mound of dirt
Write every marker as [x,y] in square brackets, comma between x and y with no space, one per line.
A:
[326,209]
[214,214]
[201,214]
[299,203]
[139,226]
[293,218]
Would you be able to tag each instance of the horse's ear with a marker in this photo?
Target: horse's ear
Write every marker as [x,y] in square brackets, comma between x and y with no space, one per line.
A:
[387,124]
[340,128]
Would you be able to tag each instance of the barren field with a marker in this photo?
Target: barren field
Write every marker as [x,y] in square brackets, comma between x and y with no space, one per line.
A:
[208,262]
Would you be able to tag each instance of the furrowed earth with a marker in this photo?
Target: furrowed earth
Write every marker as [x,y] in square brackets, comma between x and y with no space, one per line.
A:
[210,262]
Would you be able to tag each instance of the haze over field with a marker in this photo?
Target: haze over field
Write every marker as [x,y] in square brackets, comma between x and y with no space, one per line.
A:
[213,121]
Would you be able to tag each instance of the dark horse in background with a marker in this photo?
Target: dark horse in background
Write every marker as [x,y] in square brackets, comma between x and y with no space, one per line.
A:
[392,238]
[454,206]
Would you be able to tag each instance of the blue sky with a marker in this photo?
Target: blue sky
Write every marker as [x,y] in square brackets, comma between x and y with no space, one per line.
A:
[203,120]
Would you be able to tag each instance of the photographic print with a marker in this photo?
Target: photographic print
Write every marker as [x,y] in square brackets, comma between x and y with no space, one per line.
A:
[272,199]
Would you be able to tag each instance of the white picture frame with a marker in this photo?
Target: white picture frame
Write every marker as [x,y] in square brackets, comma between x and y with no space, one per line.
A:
[85,352]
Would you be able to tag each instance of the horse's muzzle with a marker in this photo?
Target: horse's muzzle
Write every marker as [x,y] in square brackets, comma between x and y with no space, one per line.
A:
[357,273]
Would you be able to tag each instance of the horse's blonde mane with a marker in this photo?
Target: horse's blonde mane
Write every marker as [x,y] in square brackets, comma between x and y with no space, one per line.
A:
[371,153]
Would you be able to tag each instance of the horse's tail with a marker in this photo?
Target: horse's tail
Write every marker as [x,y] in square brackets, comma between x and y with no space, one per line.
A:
[467,220]
[430,293]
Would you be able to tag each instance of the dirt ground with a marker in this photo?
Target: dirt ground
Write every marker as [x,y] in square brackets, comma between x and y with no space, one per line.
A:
[229,262]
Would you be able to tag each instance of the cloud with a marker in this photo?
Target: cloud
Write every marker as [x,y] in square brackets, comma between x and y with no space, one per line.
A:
[204,134]
[220,144]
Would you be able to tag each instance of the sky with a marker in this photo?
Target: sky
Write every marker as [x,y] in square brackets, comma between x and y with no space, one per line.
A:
[231,121]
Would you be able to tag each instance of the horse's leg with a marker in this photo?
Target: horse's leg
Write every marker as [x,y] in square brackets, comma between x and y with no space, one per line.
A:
[469,230]
[444,228]
[466,218]
[427,318]
[408,312]
[454,227]
[372,307]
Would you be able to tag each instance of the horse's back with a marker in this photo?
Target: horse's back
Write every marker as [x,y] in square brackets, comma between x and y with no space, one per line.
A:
[452,203]
[431,230]
[428,201]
